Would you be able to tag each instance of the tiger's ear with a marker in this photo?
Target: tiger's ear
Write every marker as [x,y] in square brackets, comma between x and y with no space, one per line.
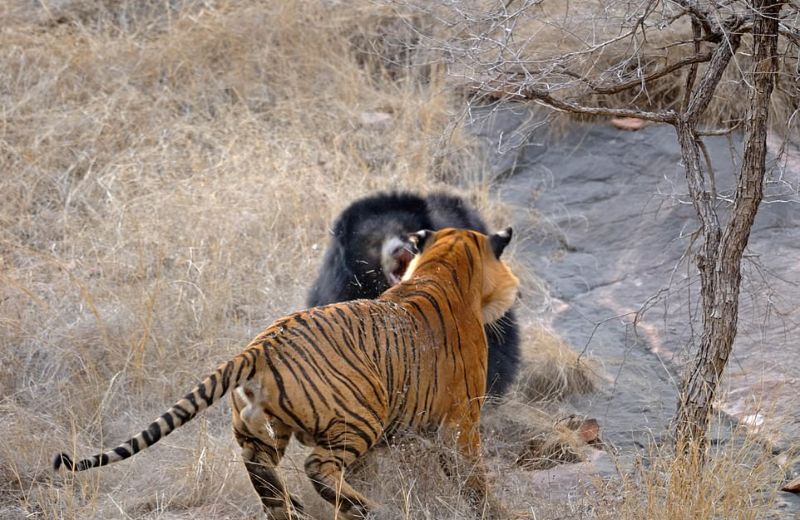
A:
[499,241]
[420,239]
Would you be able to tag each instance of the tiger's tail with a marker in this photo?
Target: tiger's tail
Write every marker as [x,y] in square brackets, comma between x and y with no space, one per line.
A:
[227,376]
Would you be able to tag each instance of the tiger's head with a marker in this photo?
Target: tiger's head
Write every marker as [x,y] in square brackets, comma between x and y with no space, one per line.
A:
[498,285]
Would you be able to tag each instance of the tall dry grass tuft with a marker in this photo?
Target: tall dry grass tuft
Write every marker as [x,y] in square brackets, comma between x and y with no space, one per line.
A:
[736,479]
[553,371]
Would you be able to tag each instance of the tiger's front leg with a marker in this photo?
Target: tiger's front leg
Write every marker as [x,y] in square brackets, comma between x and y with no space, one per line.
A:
[464,433]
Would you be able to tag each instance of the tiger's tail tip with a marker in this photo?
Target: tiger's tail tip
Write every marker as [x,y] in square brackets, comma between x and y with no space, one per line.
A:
[63,458]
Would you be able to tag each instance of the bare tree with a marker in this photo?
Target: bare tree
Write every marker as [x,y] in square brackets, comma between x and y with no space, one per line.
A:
[719,262]
[623,59]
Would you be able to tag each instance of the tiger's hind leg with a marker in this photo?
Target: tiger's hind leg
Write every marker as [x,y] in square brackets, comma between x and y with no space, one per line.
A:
[325,468]
[261,453]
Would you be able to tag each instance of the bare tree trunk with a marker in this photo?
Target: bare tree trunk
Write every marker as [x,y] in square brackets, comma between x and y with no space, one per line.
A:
[719,262]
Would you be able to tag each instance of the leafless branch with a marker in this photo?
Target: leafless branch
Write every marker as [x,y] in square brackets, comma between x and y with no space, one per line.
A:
[542,96]
[708,83]
[719,131]
[669,69]
[690,78]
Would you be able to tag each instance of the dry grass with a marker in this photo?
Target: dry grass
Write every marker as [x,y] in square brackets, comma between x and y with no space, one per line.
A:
[172,170]
[170,173]
[737,481]
[553,371]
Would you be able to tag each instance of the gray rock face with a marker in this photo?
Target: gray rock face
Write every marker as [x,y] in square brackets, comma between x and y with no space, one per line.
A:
[616,222]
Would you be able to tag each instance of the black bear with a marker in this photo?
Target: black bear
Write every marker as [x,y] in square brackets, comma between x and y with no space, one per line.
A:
[369,253]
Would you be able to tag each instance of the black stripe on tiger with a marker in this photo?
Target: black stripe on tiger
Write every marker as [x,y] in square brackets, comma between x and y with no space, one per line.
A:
[330,370]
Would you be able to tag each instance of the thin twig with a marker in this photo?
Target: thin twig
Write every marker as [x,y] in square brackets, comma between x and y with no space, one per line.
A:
[719,131]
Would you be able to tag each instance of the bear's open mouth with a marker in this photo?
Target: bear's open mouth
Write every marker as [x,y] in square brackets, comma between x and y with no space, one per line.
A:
[402,257]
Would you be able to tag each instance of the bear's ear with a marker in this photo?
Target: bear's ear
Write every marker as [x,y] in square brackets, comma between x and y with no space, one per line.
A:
[499,241]
[419,240]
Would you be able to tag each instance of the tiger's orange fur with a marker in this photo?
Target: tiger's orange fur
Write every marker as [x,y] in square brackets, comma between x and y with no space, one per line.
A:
[340,377]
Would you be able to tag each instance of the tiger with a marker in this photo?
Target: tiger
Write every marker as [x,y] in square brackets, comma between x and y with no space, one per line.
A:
[342,376]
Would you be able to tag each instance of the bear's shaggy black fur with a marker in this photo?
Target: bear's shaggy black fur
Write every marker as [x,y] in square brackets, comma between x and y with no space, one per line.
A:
[368,253]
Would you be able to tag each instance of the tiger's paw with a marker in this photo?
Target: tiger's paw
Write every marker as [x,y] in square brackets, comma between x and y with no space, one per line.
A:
[365,511]
[286,513]
[493,509]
